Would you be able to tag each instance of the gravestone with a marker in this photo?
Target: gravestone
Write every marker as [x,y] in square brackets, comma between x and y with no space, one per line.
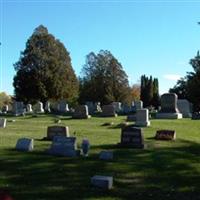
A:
[53,131]
[97,106]
[196,115]
[126,109]
[165,135]
[117,106]
[25,144]
[184,107]
[132,137]
[5,108]
[108,111]
[64,146]
[106,155]
[3,123]
[18,108]
[29,108]
[103,182]
[138,105]
[142,118]
[38,107]
[169,109]
[47,107]
[81,112]
[63,107]
[91,107]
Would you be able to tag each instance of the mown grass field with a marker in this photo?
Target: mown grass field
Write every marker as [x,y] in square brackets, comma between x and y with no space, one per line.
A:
[164,170]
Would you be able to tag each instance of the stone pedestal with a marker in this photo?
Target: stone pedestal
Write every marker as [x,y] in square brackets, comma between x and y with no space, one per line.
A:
[142,118]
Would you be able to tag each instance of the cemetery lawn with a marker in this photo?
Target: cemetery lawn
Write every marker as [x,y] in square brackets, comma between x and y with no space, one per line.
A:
[164,170]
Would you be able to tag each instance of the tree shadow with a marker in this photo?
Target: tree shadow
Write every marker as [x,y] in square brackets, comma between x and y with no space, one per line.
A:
[164,172]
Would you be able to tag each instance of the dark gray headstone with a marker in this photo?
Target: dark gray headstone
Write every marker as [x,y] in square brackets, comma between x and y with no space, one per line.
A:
[81,112]
[108,111]
[64,146]
[53,131]
[103,182]
[169,103]
[132,137]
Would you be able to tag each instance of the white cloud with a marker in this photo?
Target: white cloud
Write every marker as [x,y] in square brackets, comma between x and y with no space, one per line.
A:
[172,77]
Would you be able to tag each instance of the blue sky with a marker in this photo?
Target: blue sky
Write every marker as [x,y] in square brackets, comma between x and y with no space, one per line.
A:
[155,38]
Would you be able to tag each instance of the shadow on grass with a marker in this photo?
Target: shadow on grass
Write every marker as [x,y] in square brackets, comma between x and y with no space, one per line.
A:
[167,172]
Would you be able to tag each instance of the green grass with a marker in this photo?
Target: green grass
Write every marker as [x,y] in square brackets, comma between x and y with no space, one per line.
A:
[164,170]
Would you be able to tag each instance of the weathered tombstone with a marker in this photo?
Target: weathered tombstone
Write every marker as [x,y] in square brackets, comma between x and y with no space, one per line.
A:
[85,146]
[138,105]
[63,107]
[3,123]
[91,107]
[184,107]
[169,109]
[47,107]
[5,108]
[106,155]
[81,112]
[132,137]
[38,107]
[142,118]
[103,182]
[64,146]
[117,106]
[165,135]
[18,108]
[29,108]
[97,106]
[126,109]
[108,111]
[196,115]
[53,131]
[25,144]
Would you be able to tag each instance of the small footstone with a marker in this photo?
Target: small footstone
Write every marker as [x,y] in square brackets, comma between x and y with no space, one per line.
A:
[106,155]
[103,182]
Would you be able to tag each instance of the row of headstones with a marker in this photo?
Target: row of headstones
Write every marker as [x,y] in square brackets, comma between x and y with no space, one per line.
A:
[18,108]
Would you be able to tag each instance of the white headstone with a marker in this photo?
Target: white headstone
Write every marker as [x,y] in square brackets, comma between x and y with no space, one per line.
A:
[142,118]
[184,107]
[38,107]
[25,144]
[29,108]
[3,123]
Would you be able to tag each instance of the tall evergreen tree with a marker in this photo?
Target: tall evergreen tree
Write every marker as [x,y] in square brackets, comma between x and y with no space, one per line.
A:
[103,79]
[149,93]
[44,70]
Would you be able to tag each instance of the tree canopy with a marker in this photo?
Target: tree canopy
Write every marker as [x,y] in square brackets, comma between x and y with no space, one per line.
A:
[103,79]
[44,70]
[189,86]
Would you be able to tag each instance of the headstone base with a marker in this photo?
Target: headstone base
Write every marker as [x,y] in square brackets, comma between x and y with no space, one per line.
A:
[133,146]
[68,153]
[104,182]
[115,115]
[142,124]
[169,116]
[82,117]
